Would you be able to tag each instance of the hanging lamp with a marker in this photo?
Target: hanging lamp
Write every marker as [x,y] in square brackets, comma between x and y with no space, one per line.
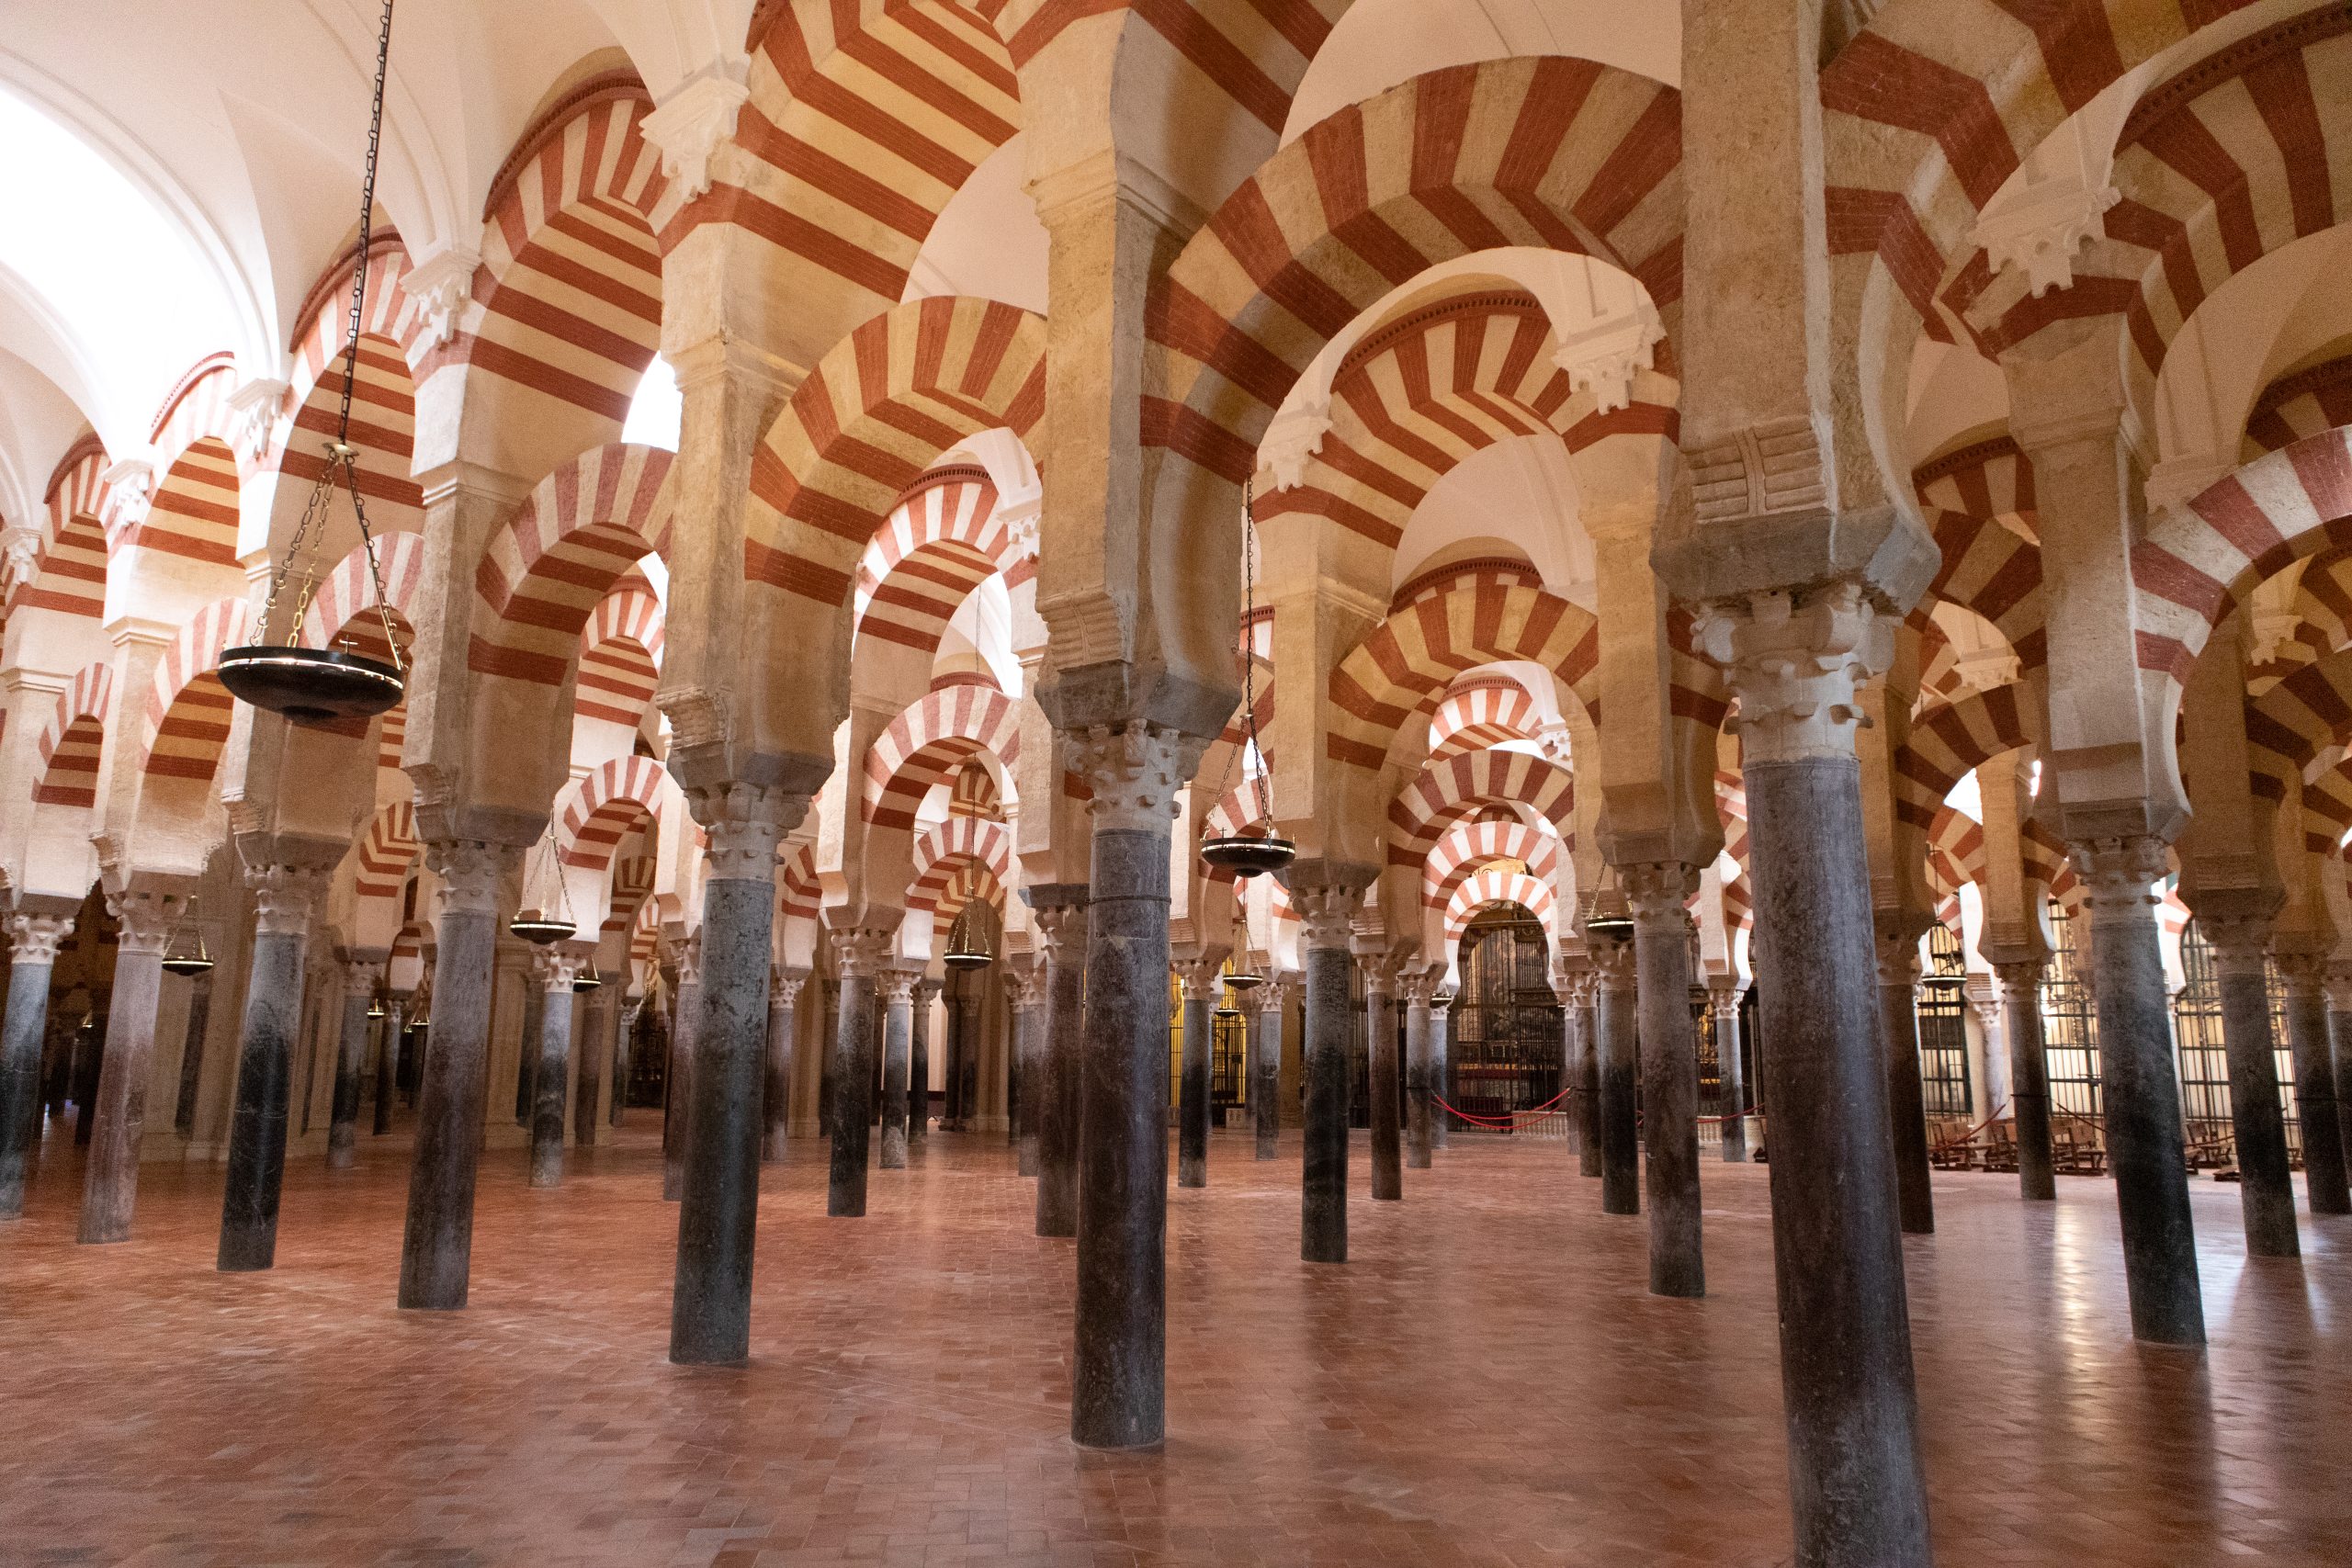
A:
[181,957]
[586,980]
[540,928]
[1241,977]
[317,685]
[963,950]
[1255,849]
[376,1005]
[1611,922]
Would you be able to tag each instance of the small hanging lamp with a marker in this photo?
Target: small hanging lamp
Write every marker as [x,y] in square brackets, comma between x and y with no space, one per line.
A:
[376,1005]
[963,949]
[586,980]
[316,686]
[1255,849]
[1610,922]
[1240,977]
[543,928]
[184,954]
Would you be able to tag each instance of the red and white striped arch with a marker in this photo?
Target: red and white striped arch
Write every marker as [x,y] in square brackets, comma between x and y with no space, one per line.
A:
[1955,852]
[800,894]
[975,794]
[2197,561]
[939,543]
[1447,789]
[66,772]
[1482,711]
[876,412]
[566,307]
[1389,684]
[1486,889]
[605,806]
[383,401]
[925,745]
[192,513]
[1239,64]
[1471,846]
[621,653]
[72,574]
[387,852]
[1434,387]
[187,720]
[866,118]
[345,601]
[578,532]
[2317,398]
[1552,152]
[971,881]
[1947,742]
[632,886]
[1979,503]
[949,846]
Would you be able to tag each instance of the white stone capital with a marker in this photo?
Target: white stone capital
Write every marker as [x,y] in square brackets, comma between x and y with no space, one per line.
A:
[2037,230]
[746,826]
[2119,873]
[471,870]
[1059,931]
[361,976]
[860,950]
[1135,772]
[1199,978]
[441,284]
[1602,357]
[19,554]
[692,124]
[145,918]
[130,482]
[1796,665]
[1292,440]
[1658,889]
[557,969]
[34,939]
[1327,914]
[784,990]
[898,987]
[285,896]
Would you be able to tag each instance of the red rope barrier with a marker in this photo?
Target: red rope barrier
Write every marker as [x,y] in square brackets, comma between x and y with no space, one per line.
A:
[1509,1118]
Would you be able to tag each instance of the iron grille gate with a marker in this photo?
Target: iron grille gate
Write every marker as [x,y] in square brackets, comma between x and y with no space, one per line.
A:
[2069,1031]
[1505,1052]
[1942,1011]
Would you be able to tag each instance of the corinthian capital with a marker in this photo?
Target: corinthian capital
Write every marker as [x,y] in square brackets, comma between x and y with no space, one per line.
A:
[1796,662]
[285,896]
[1658,889]
[33,940]
[471,870]
[746,825]
[1133,772]
[2118,872]
[145,918]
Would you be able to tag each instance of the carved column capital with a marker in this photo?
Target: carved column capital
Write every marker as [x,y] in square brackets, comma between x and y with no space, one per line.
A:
[1326,913]
[2120,872]
[2339,987]
[784,987]
[361,975]
[1612,960]
[2024,975]
[927,992]
[897,987]
[1658,889]
[145,920]
[471,872]
[285,897]
[1276,994]
[860,951]
[1059,919]
[2305,973]
[689,959]
[1898,957]
[34,939]
[1725,1001]
[745,826]
[1024,984]
[556,969]
[1133,772]
[1418,987]
[1795,663]
[1199,976]
[1380,968]
[2241,943]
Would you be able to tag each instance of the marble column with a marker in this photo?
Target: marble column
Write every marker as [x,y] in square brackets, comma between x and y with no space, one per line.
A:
[1266,1067]
[1027,982]
[950,1078]
[1989,1057]
[710,1299]
[2028,1076]
[1200,986]
[555,970]
[678,1084]
[285,894]
[363,971]
[436,1249]
[1907,1104]
[527,1050]
[2325,1186]
[967,1061]
[590,1010]
[1380,1032]
[1441,1025]
[2339,1036]
[859,956]
[110,1179]
[1658,894]
[388,1060]
[1326,910]
[1616,1022]
[2266,1185]
[775,1096]
[200,1020]
[1564,991]
[624,1046]
[1417,988]
[919,1063]
[2141,1088]
[1059,910]
[897,987]
[1118,1370]
[1592,1159]
[1724,1002]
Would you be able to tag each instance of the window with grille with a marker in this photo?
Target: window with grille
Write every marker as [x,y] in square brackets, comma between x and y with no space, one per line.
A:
[2069,1024]
[1505,1052]
[1942,1007]
[2203,1057]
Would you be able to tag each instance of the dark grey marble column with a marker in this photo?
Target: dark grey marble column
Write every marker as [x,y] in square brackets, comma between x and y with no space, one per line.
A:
[553,970]
[858,955]
[1907,1104]
[2142,1088]
[2266,1185]
[1417,988]
[951,1077]
[678,1088]
[388,1059]
[1028,983]
[285,894]
[1326,909]
[968,1059]
[897,987]
[1118,1370]
[33,938]
[199,1021]
[1440,1028]
[1200,986]
[624,1046]
[592,1011]
[436,1251]
[1566,984]
[776,1097]
[1386,1111]
[363,971]
[2325,1186]
[1061,912]
[2029,1078]
[1592,1159]
[1273,998]
[919,1063]
[110,1179]
[2339,1036]
[1724,1002]
[1657,891]
[710,1301]
[1616,1020]
[527,1054]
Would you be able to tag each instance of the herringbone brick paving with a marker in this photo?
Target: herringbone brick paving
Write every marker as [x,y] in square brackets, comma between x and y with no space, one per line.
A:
[1488,1382]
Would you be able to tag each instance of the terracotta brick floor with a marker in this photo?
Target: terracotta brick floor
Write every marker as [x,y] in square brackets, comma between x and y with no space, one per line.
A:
[1487,1382]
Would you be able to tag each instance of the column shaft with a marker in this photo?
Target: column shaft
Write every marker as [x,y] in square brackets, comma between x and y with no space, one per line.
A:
[257,1127]
[1324,1184]
[2266,1186]
[898,1044]
[1193,1089]
[1266,1070]
[351,1055]
[1616,1053]
[1387,1149]
[1729,1073]
[1670,1074]
[1061,1101]
[2029,1079]
[550,1078]
[1906,1097]
[1440,1022]
[919,1063]
[967,1067]
[2339,1036]
[852,1086]
[1028,1065]
[2325,1186]
[678,1088]
[1417,1076]
[775,1096]
[388,1063]
[589,1011]
[1592,1156]
[110,1181]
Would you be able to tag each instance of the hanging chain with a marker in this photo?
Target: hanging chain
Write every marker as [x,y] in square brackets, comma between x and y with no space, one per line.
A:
[1250,646]
[343,459]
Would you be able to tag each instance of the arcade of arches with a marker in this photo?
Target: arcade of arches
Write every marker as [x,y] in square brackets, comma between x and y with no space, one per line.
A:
[1790,569]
